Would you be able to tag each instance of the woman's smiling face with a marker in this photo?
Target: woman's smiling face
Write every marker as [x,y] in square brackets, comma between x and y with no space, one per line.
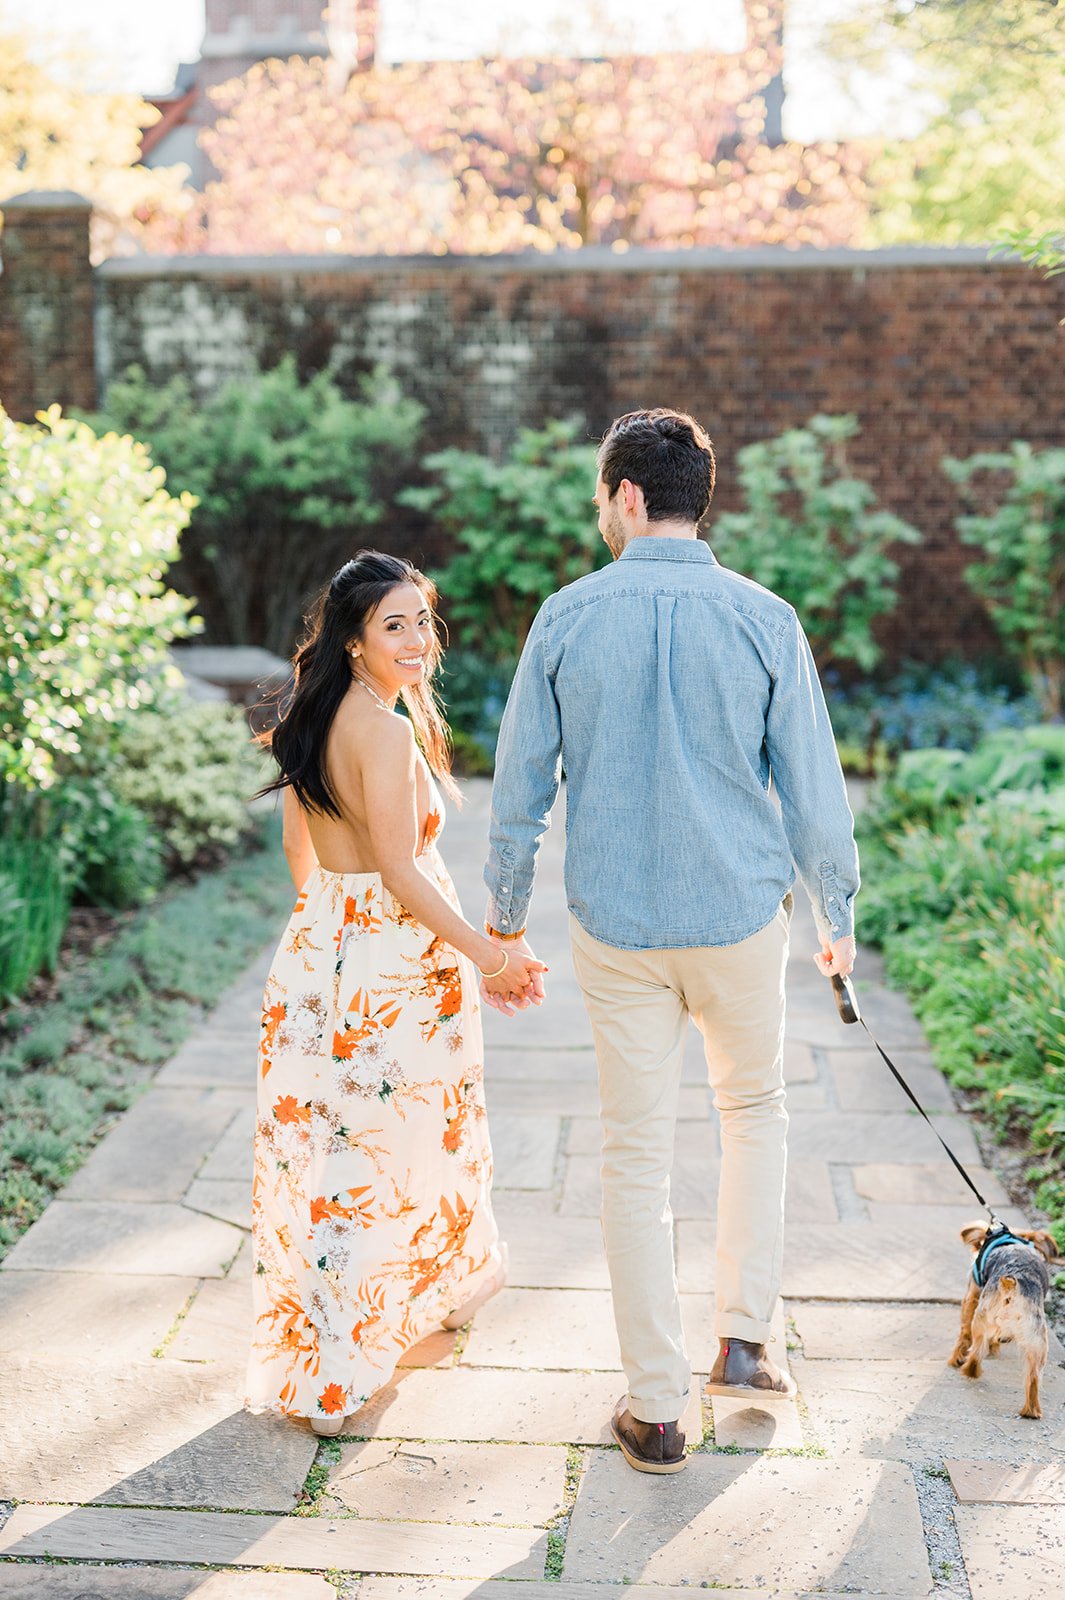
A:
[397,641]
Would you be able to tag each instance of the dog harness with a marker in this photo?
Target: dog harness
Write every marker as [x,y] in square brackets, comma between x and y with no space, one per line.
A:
[993,1238]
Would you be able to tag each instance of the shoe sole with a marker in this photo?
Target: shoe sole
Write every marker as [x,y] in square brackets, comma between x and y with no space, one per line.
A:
[458,1319]
[747,1391]
[646,1466]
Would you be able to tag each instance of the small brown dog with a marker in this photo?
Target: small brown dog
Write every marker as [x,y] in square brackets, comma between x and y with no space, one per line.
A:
[1005,1300]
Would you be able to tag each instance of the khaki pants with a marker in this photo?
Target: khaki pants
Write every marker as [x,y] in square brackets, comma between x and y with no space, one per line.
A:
[639,1002]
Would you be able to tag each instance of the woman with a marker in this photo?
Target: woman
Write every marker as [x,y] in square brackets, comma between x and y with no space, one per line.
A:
[371,1218]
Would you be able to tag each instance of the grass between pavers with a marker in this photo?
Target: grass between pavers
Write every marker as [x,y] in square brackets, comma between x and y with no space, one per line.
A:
[69,1066]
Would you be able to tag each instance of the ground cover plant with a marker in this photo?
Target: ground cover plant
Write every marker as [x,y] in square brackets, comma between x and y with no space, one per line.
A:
[963,866]
[70,1065]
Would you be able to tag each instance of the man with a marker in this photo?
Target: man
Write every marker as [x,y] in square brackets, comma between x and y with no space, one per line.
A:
[677,695]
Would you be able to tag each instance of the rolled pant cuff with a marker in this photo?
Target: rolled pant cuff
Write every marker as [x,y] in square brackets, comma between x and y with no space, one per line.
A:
[733,1325]
[657,1410]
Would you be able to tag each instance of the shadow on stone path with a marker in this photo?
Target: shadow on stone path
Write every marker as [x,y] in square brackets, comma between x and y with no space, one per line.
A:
[124,1317]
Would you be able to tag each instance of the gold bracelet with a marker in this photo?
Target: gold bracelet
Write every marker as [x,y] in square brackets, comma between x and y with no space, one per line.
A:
[494,933]
[503,968]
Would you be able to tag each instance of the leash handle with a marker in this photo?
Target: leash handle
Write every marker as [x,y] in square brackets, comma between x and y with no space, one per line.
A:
[849,1010]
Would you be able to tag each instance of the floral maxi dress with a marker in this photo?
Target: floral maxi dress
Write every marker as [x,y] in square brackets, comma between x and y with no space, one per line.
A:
[371,1216]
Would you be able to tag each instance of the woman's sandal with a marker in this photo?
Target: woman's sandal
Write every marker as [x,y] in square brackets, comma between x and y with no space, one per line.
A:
[460,1317]
[328,1427]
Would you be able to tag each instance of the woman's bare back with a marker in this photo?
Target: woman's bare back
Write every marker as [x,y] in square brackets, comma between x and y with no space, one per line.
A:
[343,844]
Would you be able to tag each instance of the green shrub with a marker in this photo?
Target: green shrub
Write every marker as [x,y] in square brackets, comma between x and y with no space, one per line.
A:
[289,478]
[190,767]
[1021,532]
[522,528]
[85,617]
[111,854]
[810,532]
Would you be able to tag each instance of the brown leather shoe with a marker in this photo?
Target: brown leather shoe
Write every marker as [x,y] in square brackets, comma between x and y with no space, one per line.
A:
[743,1369]
[648,1446]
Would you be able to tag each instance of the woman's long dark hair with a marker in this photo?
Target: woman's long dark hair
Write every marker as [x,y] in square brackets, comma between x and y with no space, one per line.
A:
[322,677]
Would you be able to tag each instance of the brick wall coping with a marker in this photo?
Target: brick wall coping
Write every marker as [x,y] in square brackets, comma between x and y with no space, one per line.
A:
[771,258]
[46,200]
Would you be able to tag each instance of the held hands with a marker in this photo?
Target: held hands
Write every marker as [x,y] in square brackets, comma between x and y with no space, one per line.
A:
[520,984]
[836,957]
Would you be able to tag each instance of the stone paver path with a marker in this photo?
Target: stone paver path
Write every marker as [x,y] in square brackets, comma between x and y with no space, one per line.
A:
[485,1469]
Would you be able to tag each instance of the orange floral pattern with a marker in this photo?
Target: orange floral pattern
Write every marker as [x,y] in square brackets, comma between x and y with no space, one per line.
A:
[371,1216]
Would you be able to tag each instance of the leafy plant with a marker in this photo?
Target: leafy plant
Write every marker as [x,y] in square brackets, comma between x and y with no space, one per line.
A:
[109,851]
[811,532]
[1022,578]
[522,528]
[85,617]
[190,767]
[288,477]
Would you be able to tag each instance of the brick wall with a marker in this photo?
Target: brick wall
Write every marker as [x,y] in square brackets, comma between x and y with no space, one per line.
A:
[938,352]
[47,304]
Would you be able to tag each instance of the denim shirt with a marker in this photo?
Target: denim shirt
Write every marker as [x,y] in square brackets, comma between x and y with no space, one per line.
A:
[676,695]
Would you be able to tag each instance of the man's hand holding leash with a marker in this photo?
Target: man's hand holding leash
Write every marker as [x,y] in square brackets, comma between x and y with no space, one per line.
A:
[836,958]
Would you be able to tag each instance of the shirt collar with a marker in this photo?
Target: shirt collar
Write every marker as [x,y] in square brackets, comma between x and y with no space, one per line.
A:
[648,548]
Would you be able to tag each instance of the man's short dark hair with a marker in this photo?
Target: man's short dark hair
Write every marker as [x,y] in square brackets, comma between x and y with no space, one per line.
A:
[668,455]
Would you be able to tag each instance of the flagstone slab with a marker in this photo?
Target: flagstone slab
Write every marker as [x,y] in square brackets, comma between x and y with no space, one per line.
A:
[999,1483]
[240,1269]
[943,1221]
[539,1068]
[146,1433]
[693,1189]
[229,1199]
[552,1252]
[751,1522]
[813,1018]
[898,1183]
[222,1055]
[859,1137]
[1016,1554]
[763,1425]
[502,1484]
[847,1332]
[60,1316]
[570,1329]
[156,1147]
[231,1539]
[852,1262]
[104,1236]
[457,1589]
[233,1157]
[84,1582]
[695,1137]
[218,1324]
[923,1411]
[470,1404]
[524,1149]
[863,1083]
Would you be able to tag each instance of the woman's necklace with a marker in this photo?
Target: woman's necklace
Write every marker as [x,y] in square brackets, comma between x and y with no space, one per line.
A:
[383,704]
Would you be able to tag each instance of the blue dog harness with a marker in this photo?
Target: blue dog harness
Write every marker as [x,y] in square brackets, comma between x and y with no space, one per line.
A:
[993,1238]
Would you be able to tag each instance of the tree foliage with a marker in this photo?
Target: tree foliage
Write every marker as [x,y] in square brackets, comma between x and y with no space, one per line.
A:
[992,156]
[56,135]
[504,155]
[812,533]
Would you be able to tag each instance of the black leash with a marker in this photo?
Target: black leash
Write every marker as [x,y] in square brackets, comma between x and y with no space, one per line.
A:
[847,1006]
